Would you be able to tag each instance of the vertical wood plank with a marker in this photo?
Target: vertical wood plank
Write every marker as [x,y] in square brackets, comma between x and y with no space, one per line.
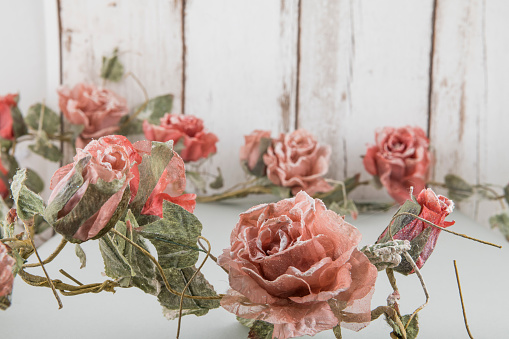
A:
[148,35]
[364,65]
[458,99]
[241,71]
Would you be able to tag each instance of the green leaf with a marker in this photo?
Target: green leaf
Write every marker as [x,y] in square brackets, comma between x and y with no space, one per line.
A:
[411,330]
[40,224]
[409,207]
[197,180]
[281,192]
[45,148]
[135,126]
[178,278]
[459,189]
[501,221]
[246,322]
[115,263]
[218,181]
[75,131]
[174,236]
[341,209]
[156,108]
[81,255]
[336,195]
[34,182]
[27,202]
[261,330]
[112,69]
[18,123]
[151,168]
[50,119]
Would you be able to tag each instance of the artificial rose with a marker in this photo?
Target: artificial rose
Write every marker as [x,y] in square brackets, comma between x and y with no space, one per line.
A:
[197,143]
[109,158]
[6,122]
[4,182]
[251,154]
[6,277]
[422,236]
[400,159]
[99,110]
[298,161]
[296,265]
[170,186]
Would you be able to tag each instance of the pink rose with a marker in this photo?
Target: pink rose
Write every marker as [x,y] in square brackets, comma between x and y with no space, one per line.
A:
[296,265]
[6,277]
[253,150]
[298,161]
[99,110]
[434,208]
[400,159]
[170,186]
[197,143]
[4,185]
[6,122]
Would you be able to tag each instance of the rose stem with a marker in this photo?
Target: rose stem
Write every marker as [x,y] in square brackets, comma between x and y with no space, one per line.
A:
[416,269]
[189,283]
[442,228]
[76,281]
[41,118]
[391,313]
[213,257]
[62,244]
[160,269]
[461,298]
[235,194]
[142,107]
[50,282]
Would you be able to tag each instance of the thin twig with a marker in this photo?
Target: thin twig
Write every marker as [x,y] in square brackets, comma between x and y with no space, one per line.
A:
[142,107]
[391,313]
[461,298]
[70,277]
[214,258]
[52,256]
[235,194]
[423,284]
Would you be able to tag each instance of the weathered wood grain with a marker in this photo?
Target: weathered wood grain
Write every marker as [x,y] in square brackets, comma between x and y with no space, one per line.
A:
[363,65]
[241,59]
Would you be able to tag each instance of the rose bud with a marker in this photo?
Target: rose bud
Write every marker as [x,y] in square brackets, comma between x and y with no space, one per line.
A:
[90,194]
[400,159]
[422,236]
[251,154]
[6,277]
[6,122]
[298,161]
[197,143]
[99,110]
[296,265]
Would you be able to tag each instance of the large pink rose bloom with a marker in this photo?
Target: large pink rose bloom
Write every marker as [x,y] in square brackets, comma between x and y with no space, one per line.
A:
[296,265]
[99,110]
[400,159]
[197,143]
[6,122]
[298,161]
[6,276]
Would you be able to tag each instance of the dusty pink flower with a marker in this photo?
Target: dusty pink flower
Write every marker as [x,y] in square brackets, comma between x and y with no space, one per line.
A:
[111,158]
[170,186]
[434,208]
[298,161]
[197,143]
[6,277]
[296,265]
[6,122]
[99,110]
[251,153]
[400,159]
[4,185]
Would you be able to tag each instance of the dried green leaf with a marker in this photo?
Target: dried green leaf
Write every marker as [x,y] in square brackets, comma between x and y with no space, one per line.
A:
[501,221]
[336,194]
[78,250]
[246,322]
[261,330]
[40,224]
[218,181]
[341,209]
[156,108]
[5,302]
[133,127]
[112,69]
[411,330]
[75,131]
[281,192]
[50,119]
[151,168]
[27,202]
[45,148]
[18,123]
[174,236]
[337,332]
[386,255]
[197,180]
[459,189]
[115,264]
[178,278]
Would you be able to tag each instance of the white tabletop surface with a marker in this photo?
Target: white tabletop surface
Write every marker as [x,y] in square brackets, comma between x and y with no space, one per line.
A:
[129,313]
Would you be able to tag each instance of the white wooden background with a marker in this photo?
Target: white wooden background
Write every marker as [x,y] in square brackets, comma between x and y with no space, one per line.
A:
[337,68]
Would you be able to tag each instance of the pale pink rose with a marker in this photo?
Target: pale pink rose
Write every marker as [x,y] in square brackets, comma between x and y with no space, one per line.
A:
[170,186]
[6,122]
[400,158]
[251,154]
[99,110]
[197,143]
[111,158]
[6,277]
[296,265]
[298,161]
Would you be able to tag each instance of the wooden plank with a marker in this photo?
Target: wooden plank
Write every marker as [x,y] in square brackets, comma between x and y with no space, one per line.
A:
[364,65]
[458,100]
[241,61]
[148,35]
